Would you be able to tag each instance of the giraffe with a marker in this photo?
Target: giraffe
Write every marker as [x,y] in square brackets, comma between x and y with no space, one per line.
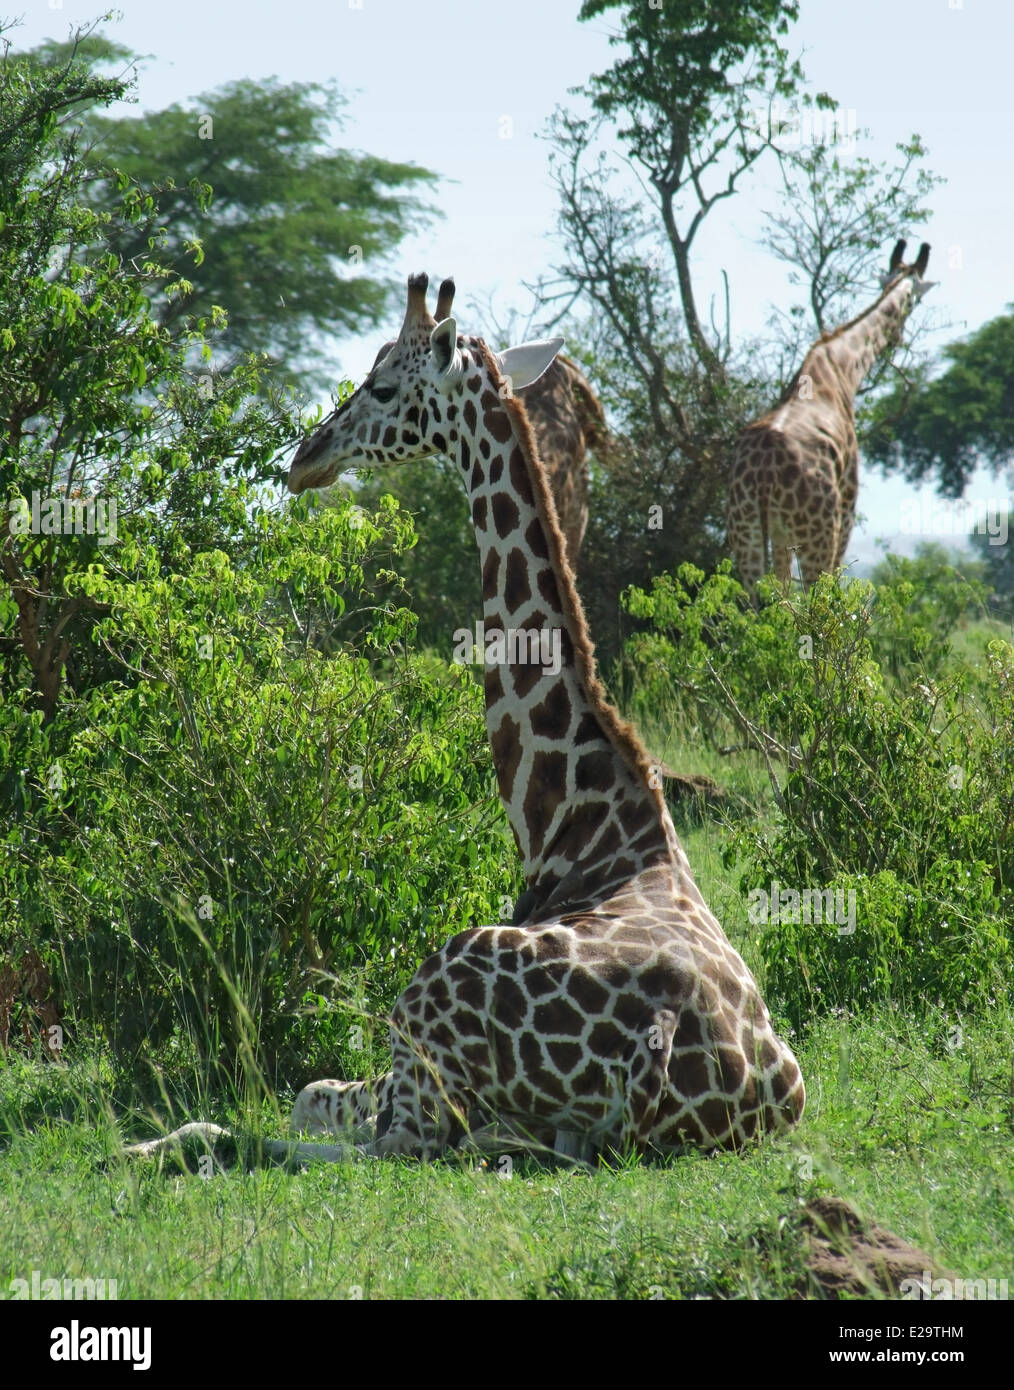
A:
[795,473]
[611,1012]
[567,420]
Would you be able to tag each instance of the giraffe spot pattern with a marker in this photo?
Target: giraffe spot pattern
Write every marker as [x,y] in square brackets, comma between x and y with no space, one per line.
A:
[551,717]
[517,590]
[506,743]
[546,790]
[491,574]
[505,514]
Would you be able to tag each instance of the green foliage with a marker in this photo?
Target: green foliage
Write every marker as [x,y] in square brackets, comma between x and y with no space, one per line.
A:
[923,600]
[944,943]
[957,420]
[688,59]
[895,789]
[441,574]
[293,231]
[96,400]
[215,760]
[195,845]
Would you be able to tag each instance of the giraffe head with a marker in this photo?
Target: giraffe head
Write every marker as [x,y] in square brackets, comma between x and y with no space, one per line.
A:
[412,398]
[897,269]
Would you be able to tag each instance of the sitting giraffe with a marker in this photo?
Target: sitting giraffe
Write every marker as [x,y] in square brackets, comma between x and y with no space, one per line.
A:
[612,1012]
[567,420]
[795,474]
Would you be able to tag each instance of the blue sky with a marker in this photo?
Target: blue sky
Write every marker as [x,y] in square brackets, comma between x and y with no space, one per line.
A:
[430,81]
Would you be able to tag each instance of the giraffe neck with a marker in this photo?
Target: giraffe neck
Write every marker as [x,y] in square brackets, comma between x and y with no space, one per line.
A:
[582,798]
[856,346]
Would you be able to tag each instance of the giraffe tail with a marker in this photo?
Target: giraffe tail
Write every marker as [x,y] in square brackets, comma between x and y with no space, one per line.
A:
[201,1140]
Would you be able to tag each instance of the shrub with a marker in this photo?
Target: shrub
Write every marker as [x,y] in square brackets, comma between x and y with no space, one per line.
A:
[898,791]
[249,816]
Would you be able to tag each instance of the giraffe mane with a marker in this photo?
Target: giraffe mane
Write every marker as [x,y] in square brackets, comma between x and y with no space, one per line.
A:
[589,407]
[620,734]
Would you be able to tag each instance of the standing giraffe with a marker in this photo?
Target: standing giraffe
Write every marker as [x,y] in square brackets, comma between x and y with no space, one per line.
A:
[795,473]
[567,420]
[612,1011]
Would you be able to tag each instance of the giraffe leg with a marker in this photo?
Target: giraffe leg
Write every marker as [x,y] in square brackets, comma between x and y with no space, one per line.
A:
[647,1078]
[498,1137]
[348,1108]
[848,520]
[569,1143]
[816,557]
[848,492]
[429,1105]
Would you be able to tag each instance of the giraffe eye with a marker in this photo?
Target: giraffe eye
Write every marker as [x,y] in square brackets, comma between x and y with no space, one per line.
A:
[383,393]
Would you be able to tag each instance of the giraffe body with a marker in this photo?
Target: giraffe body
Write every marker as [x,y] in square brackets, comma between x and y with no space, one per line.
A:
[613,1011]
[795,474]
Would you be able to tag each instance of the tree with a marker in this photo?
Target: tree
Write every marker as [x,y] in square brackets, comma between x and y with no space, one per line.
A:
[200,808]
[991,542]
[688,90]
[684,98]
[113,454]
[295,231]
[950,424]
[837,217]
[696,101]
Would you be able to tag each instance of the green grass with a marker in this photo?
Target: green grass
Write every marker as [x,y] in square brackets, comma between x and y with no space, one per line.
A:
[916,1135]
[913,1129]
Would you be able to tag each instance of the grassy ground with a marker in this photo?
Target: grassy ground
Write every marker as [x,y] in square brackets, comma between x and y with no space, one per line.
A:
[917,1136]
[906,1120]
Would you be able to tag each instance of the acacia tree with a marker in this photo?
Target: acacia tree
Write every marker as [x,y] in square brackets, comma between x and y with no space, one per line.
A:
[684,98]
[949,424]
[295,231]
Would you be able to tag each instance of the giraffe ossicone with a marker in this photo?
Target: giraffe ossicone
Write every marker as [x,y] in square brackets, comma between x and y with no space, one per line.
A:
[794,477]
[612,1012]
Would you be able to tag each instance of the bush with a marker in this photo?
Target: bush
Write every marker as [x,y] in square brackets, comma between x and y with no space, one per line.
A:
[207,843]
[899,792]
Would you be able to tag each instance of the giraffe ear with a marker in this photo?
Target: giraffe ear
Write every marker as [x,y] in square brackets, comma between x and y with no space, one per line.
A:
[526,363]
[444,347]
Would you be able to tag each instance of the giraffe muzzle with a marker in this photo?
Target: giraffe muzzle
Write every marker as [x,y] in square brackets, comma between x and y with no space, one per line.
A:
[308,469]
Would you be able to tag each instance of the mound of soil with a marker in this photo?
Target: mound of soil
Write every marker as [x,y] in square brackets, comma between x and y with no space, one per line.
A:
[847,1256]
